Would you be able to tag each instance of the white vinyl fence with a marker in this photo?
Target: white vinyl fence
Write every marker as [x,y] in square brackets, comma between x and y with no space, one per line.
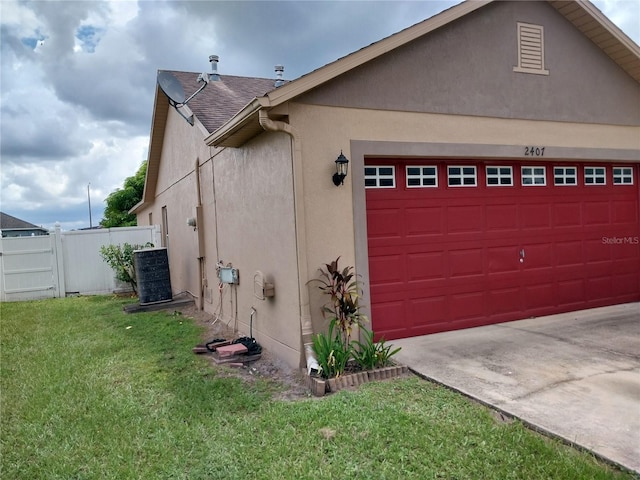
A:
[64,263]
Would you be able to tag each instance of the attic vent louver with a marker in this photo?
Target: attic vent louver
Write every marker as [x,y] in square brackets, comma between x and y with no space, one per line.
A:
[530,49]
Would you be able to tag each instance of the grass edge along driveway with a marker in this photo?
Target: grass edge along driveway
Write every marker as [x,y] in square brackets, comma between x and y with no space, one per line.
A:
[88,392]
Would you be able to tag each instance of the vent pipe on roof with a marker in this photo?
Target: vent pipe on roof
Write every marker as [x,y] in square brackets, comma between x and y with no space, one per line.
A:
[213,59]
[279,74]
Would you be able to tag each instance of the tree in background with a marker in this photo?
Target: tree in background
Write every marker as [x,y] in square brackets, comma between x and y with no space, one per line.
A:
[121,200]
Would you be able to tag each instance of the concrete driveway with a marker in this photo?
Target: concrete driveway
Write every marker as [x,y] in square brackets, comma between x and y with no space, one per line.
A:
[574,375]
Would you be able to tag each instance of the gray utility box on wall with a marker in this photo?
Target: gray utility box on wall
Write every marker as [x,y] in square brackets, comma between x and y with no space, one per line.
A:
[229,275]
[152,273]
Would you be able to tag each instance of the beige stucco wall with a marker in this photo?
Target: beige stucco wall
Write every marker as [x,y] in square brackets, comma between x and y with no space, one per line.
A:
[336,216]
[176,189]
[247,221]
[466,67]
[256,232]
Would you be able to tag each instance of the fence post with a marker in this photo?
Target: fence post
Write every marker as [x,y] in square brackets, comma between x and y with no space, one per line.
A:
[156,235]
[58,259]
[2,294]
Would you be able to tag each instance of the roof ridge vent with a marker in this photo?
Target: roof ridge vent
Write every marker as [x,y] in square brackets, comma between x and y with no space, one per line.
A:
[214,76]
[279,76]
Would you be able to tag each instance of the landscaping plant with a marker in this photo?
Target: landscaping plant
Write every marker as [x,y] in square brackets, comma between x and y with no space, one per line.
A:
[342,288]
[120,259]
[369,354]
[331,352]
[334,349]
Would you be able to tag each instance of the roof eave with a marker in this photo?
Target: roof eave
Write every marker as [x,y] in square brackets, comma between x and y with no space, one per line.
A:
[364,55]
[244,124]
[629,59]
[232,133]
[156,139]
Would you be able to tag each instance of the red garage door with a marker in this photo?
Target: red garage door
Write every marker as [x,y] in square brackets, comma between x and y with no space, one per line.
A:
[461,244]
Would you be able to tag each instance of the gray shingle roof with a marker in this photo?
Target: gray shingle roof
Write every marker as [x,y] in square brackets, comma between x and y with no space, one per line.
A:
[222,99]
[8,222]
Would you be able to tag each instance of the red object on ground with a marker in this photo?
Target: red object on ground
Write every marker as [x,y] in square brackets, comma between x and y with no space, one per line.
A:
[230,350]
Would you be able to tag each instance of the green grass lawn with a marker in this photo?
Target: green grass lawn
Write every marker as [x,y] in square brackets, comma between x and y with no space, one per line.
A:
[88,392]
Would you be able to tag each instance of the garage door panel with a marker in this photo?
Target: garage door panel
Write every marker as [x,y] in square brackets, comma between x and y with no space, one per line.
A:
[627,284]
[626,250]
[427,311]
[569,253]
[501,218]
[425,266]
[504,301]
[567,215]
[628,277]
[538,296]
[538,256]
[503,259]
[424,221]
[570,292]
[463,263]
[465,219]
[596,251]
[390,319]
[385,223]
[598,287]
[625,211]
[443,258]
[535,216]
[466,306]
[387,269]
[626,267]
[596,213]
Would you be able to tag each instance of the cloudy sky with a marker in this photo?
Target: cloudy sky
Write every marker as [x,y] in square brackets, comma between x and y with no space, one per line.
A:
[78,78]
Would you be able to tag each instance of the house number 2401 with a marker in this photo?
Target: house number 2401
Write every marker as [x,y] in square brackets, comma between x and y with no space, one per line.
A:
[534,151]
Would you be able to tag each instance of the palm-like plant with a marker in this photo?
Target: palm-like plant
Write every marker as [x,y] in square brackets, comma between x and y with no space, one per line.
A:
[342,288]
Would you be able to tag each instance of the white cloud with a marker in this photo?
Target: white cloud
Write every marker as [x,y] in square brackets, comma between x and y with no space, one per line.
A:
[77,109]
[625,14]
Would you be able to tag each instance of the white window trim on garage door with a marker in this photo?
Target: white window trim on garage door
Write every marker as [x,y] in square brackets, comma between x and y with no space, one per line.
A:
[422,176]
[380,176]
[462,176]
[622,175]
[501,174]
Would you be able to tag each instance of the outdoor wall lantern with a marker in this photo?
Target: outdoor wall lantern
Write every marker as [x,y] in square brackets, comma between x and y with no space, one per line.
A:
[342,165]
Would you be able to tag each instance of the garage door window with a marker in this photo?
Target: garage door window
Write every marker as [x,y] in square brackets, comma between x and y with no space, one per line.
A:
[565,176]
[462,176]
[534,176]
[422,176]
[379,177]
[595,176]
[499,176]
[622,176]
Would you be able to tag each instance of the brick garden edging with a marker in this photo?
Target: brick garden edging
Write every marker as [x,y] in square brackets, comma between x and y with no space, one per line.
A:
[320,386]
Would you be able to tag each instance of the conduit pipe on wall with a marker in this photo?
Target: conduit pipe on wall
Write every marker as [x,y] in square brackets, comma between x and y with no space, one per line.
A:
[200,238]
[301,234]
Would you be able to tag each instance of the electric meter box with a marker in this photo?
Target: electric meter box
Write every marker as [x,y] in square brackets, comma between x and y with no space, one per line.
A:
[229,275]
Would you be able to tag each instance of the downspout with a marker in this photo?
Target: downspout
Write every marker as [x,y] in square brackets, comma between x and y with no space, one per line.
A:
[306,326]
[200,237]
